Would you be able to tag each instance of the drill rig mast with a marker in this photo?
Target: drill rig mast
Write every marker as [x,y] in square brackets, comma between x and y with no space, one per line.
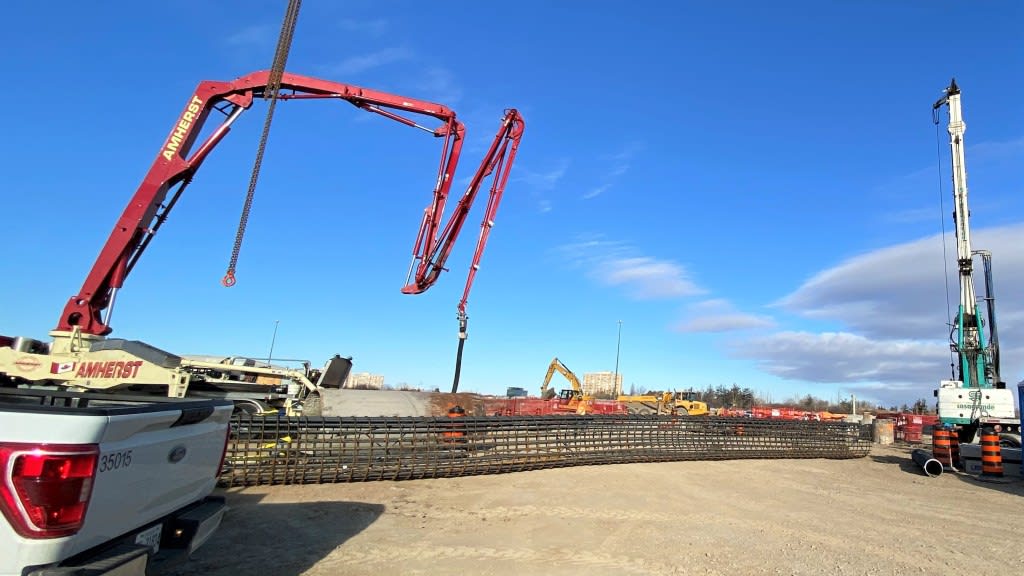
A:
[978,396]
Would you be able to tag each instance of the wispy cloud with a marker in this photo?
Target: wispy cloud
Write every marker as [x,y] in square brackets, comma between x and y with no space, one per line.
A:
[596,191]
[375,27]
[618,264]
[358,64]
[255,35]
[618,165]
[719,315]
[541,183]
[543,180]
[985,157]
[438,84]
[996,150]
[914,215]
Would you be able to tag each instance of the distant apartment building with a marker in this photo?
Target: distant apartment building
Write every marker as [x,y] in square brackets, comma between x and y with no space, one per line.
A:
[606,383]
[365,381]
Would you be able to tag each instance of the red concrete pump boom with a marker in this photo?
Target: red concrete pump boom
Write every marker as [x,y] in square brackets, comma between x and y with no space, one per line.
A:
[432,253]
[175,166]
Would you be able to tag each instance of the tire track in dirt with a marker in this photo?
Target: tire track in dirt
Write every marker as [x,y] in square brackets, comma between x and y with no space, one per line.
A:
[377,559]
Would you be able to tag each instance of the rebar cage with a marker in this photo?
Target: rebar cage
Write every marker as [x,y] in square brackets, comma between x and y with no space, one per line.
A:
[278,450]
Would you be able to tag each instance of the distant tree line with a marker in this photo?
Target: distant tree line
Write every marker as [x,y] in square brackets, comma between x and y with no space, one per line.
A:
[734,396]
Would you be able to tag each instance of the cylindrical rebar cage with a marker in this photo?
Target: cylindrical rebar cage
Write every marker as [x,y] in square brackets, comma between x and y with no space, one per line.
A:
[280,450]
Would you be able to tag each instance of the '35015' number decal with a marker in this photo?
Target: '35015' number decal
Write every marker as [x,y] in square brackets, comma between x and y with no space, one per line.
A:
[115,460]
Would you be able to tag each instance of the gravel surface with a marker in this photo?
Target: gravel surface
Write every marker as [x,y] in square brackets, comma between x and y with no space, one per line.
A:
[874,515]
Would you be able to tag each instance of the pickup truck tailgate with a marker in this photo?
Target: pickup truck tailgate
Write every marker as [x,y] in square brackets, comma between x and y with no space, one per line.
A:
[155,458]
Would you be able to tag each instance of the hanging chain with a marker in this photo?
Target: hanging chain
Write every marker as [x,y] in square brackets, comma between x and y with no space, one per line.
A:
[284,43]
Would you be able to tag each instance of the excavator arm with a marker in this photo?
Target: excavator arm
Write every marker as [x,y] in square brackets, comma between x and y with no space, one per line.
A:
[557,364]
[176,164]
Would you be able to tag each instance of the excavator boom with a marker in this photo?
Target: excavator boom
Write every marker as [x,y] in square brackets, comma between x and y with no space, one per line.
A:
[557,365]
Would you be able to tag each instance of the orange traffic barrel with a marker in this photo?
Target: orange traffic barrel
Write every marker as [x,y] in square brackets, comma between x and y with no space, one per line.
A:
[954,448]
[941,449]
[455,431]
[991,455]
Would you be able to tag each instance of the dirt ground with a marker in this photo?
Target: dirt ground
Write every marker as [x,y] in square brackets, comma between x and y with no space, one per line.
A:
[875,515]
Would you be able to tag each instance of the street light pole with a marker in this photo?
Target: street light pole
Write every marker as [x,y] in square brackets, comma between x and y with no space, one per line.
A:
[272,340]
[618,345]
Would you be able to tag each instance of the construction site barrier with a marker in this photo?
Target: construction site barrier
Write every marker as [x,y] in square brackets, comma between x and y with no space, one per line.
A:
[941,449]
[991,455]
[279,450]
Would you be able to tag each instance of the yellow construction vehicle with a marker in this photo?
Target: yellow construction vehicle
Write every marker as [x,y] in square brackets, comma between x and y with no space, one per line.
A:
[569,400]
[680,402]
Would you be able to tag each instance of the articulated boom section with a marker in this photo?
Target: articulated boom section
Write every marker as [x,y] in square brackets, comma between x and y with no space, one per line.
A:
[174,166]
[432,252]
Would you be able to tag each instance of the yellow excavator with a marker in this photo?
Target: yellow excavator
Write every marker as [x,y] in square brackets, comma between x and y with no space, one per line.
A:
[569,400]
[680,402]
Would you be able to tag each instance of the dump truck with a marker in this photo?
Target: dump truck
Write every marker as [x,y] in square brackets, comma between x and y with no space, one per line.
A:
[680,402]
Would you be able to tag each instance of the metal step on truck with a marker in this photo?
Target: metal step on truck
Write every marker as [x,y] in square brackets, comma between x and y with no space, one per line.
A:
[104,484]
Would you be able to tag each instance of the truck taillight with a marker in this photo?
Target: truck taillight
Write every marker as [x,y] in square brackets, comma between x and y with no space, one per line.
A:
[46,487]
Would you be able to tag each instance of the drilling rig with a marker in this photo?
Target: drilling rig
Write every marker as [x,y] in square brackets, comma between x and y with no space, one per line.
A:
[975,397]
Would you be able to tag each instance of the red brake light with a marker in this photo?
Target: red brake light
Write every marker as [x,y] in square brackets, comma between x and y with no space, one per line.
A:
[46,487]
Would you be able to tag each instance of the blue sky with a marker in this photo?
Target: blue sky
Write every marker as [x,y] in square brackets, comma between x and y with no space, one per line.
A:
[752,189]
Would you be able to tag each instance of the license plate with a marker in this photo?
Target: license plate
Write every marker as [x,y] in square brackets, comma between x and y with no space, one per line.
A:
[150,537]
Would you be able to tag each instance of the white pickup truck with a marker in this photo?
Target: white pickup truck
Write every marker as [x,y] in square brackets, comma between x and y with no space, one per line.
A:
[103,484]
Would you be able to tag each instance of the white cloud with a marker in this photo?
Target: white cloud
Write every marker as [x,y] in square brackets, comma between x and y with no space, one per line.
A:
[648,278]
[438,84]
[617,264]
[258,34]
[362,63]
[842,357]
[891,304]
[900,291]
[541,183]
[369,27]
[546,180]
[620,163]
[719,315]
[596,192]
